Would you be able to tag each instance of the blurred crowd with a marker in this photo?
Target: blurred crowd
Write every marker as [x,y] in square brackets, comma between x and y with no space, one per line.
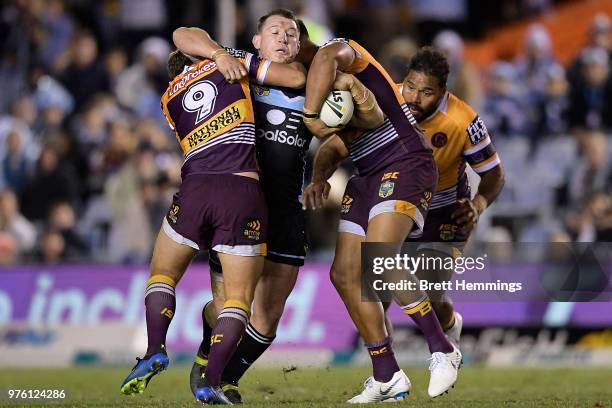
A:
[88,165]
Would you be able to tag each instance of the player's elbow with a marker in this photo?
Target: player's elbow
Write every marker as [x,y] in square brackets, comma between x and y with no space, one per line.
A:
[326,55]
[183,36]
[179,34]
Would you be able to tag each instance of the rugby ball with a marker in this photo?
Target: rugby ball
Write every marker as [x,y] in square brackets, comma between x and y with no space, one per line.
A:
[337,109]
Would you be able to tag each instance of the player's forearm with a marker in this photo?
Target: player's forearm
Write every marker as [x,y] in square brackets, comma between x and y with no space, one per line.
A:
[195,41]
[321,77]
[286,75]
[328,159]
[367,114]
[491,184]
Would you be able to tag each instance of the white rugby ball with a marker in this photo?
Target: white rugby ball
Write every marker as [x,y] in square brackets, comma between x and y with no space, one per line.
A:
[337,109]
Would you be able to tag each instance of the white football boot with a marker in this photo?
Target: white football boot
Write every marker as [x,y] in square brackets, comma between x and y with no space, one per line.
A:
[454,333]
[443,371]
[374,391]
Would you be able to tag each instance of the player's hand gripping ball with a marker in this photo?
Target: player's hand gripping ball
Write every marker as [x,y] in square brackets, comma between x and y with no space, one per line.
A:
[337,109]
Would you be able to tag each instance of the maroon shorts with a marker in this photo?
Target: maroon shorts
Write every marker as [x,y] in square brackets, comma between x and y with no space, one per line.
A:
[441,232]
[402,187]
[223,212]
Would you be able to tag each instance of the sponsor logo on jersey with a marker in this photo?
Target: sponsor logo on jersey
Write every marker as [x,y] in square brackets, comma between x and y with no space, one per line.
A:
[477,131]
[173,213]
[392,175]
[213,127]
[425,199]
[439,140]
[252,230]
[260,90]
[281,136]
[188,76]
[448,232]
[386,189]
[379,351]
[347,202]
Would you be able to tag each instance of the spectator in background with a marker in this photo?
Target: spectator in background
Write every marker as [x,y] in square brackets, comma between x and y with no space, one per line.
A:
[505,105]
[56,30]
[53,181]
[15,225]
[591,114]
[600,36]
[85,75]
[553,110]
[594,222]
[115,62]
[16,167]
[51,98]
[463,79]
[139,87]
[62,219]
[396,55]
[535,63]
[52,248]
[131,234]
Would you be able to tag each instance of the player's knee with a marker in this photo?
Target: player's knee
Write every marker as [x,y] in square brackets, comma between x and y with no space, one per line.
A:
[339,277]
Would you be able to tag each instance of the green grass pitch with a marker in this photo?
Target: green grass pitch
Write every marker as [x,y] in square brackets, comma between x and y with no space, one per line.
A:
[310,387]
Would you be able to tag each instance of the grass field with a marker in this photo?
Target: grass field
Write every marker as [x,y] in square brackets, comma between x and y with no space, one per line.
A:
[476,387]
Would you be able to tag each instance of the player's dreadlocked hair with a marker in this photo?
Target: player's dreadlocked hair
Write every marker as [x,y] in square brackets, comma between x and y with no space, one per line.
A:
[432,62]
[277,12]
[177,62]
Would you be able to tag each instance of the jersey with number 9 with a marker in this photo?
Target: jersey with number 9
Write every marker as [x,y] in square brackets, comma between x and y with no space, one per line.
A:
[213,119]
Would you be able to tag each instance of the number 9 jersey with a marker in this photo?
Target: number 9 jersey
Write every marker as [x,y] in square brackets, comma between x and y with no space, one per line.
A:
[213,119]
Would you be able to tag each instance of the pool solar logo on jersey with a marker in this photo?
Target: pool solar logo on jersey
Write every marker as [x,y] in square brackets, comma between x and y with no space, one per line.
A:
[386,189]
[477,130]
[200,98]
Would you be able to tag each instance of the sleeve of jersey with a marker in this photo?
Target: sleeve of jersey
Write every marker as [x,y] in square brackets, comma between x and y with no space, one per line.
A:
[167,114]
[359,63]
[257,67]
[479,151]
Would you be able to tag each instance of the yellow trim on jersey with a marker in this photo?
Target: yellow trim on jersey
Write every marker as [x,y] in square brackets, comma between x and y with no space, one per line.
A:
[222,122]
[405,207]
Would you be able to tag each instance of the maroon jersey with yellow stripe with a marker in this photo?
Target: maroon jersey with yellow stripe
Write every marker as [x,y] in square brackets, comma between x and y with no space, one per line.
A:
[458,136]
[398,136]
[213,119]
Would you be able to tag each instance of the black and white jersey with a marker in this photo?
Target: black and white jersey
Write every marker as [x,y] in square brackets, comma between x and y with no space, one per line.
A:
[282,144]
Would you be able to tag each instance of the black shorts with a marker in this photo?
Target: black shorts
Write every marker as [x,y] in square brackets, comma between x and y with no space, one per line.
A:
[287,241]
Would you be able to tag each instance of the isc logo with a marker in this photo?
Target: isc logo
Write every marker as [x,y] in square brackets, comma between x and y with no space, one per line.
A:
[390,176]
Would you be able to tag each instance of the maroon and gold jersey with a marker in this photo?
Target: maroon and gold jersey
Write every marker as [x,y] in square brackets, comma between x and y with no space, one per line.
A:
[213,119]
[458,136]
[398,136]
